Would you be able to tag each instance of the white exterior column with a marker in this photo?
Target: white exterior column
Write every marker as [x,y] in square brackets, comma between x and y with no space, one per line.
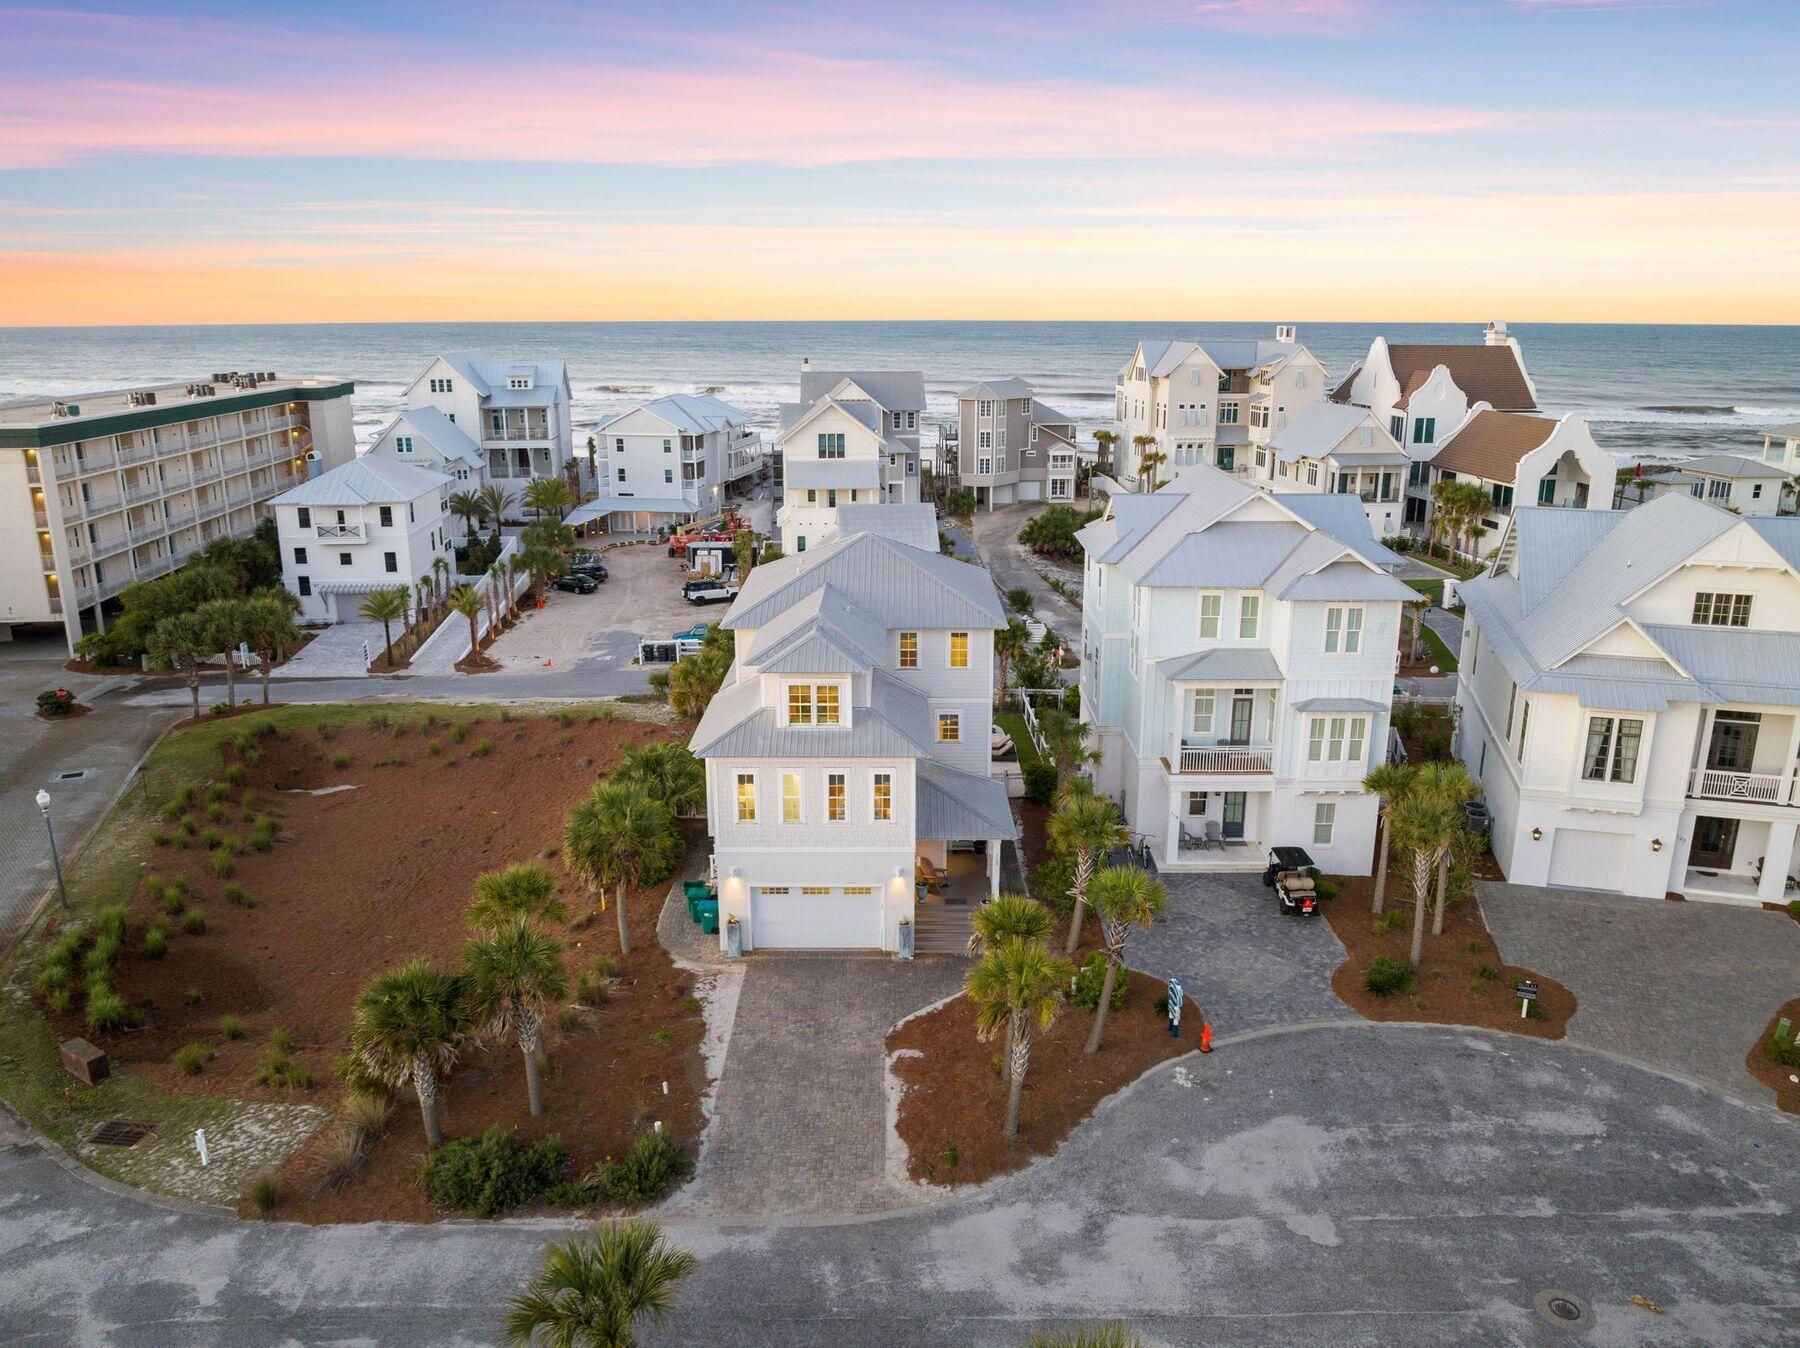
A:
[1778,859]
[993,853]
[1172,849]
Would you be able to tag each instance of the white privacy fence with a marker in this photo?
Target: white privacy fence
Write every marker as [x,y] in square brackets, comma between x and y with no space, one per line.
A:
[450,643]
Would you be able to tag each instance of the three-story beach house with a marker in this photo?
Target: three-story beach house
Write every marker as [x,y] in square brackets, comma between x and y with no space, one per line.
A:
[1327,447]
[670,460]
[1238,651]
[1011,446]
[426,438]
[517,411]
[1208,402]
[847,754]
[852,439]
[1630,700]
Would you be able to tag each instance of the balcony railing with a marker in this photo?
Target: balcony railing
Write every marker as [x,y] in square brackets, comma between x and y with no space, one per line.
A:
[1250,758]
[144,491]
[131,454]
[1757,788]
[341,532]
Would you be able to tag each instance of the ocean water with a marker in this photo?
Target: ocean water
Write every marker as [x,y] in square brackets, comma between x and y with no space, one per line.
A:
[1650,391]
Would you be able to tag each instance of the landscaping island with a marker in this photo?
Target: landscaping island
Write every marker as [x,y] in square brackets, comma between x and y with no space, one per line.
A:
[1777,1063]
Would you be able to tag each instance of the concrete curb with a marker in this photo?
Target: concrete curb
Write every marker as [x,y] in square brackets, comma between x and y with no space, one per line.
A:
[93,1178]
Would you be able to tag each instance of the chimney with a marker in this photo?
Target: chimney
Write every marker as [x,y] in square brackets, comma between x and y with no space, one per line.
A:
[1284,332]
[1496,332]
[805,364]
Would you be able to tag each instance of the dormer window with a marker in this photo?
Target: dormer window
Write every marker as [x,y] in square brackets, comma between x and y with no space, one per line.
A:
[519,381]
[1718,609]
[813,704]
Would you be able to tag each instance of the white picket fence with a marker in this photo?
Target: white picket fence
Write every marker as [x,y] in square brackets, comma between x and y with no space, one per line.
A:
[450,643]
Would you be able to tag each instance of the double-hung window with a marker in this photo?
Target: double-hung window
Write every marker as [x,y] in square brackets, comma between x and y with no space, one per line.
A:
[825,710]
[1201,719]
[834,797]
[1611,753]
[1249,615]
[1343,631]
[909,650]
[959,650]
[949,727]
[1324,822]
[1718,609]
[746,797]
[790,798]
[883,798]
[1210,604]
[1336,739]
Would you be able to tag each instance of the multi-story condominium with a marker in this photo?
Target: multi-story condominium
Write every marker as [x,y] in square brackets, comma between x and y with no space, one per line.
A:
[1424,393]
[1238,649]
[850,742]
[853,439]
[369,524]
[1207,402]
[670,460]
[1328,447]
[102,489]
[1539,460]
[1732,481]
[426,438]
[516,410]
[1630,699]
[1011,446]
[1781,446]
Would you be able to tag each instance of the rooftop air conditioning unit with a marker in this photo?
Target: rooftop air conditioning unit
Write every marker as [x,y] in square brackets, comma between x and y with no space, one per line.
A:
[268,374]
[62,410]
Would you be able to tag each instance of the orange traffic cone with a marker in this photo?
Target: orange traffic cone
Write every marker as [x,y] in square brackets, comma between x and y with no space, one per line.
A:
[1205,1035]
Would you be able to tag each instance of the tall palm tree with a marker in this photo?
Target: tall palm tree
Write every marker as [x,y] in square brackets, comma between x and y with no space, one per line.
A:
[407,1028]
[546,496]
[496,581]
[466,600]
[385,606]
[1012,985]
[229,625]
[468,507]
[496,500]
[1125,897]
[1143,444]
[1009,642]
[1088,826]
[1007,917]
[669,772]
[270,631]
[544,564]
[592,1291]
[427,597]
[616,835]
[1067,741]
[1390,782]
[1103,453]
[525,890]
[1450,782]
[181,641]
[1424,825]
[510,979]
[440,572]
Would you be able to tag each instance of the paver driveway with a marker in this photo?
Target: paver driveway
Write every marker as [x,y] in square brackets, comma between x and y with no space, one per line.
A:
[1684,987]
[1241,960]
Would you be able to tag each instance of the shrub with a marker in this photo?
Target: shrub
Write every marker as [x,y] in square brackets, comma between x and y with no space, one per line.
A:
[53,977]
[1040,782]
[1090,978]
[1018,599]
[192,996]
[223,863]
[216,812]
[247,802]
[1793,908]
[262,833]
[161,838]
[340,761]
[55,702]
[184,798]
[281,1041]
[459,733]
[594,985]
[211,838]
[365,1113]
[112,920]
[218,791]
[280,1070]
[220,708]
[106,1010]
[234,774]
[190,1058]
[171,902]
[481,749]
[651,1164]
[103,953]
[435,748]
[1486,972]
[231,1027]
[1387,920]
[1387,975]
[193,922]
[264,1194]
[1327,889]
[189,828]
[156,941]
[493,1173]
[565,719]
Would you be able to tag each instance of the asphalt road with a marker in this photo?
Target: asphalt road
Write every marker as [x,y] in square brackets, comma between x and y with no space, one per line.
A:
[1340,1185]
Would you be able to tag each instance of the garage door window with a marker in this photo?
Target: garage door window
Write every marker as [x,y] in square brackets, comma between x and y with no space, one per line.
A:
[773,889]
[815,889]
[859,889]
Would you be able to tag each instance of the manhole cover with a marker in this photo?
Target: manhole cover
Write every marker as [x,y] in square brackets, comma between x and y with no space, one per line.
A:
[1565,1310]
[120,1133]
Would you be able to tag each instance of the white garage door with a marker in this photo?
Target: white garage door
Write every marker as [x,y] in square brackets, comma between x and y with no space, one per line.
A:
[1582,859]
[800,919]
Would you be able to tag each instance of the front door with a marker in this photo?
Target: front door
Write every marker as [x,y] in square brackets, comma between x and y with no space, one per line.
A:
[1227,457]
[1733,746]
[1241,705]
[1234,814]
[1715,842]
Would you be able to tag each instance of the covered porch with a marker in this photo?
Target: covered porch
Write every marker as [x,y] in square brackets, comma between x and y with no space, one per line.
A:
[1211,830]
[1739,860]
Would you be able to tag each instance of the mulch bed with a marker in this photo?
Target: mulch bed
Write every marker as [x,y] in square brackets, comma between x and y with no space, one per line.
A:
[954,1105]
[75,709]
[1784,1081]
[364,879]
[1450,989]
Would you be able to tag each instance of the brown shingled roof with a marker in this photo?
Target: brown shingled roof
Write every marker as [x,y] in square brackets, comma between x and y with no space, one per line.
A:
[1490,444]
[1488,374]
[1341,394]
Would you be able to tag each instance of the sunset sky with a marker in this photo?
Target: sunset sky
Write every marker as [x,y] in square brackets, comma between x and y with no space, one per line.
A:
[1565,160]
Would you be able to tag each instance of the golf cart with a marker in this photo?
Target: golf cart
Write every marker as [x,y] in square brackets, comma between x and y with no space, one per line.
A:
[1289,874]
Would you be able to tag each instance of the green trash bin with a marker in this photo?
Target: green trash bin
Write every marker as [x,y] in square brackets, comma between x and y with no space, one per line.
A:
[709,916]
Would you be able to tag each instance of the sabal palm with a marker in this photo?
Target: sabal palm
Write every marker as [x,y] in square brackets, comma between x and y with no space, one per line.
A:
[1389,782]
[669,772]
[1088,826]
[544,564]
[546,496]
[614,836]
[696,678]
[1006,917]
[1424,824]
[1014,984]
[510,979]
[386,607]
[181,641]
[1009,643]
[468,507]
[270,630]
[1067,741]
[525,890]
[1450,782]
[407,1028]
[592,1292]
[496,500]
[467,600]
[1125,897]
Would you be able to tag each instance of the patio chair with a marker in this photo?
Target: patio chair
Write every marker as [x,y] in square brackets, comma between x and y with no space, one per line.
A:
[1215,837]
[1189,841]
[930,876]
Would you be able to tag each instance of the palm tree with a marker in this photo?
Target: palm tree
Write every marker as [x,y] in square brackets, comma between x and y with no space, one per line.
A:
[1066,741]
[544,563]
[496,501]
[468,507]
[619,833]
[1125,897]
[1423,824]
[670,773]
[510,980]
[1009,642]
[1143,444]
[592,1291]
[1007,917]
[1450,782]
[385,607]
[270,630]
[496,579]
[1088,826]
[1084,1336]
[1103,452]
[408,1027]
[466,600]
[1013,984]
[547,496]
[1390,782]
[427,597]
[181,641]
[440,572]
[226,620]
[525,890]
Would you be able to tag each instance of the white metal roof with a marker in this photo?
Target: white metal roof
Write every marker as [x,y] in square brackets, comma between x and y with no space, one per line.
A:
[365,481]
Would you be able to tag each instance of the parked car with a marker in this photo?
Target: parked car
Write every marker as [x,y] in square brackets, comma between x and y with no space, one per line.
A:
[575,583]
[695,633]
[595,569]
[708,591]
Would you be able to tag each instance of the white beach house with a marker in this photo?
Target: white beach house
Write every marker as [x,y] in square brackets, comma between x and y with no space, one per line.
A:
[516,410]
[1731,481]
[850,742]
[852,439]
[670,460]
[426,438]
[370,524]
[1238,651]
[1630,699]
[1536,461]
[1328,447]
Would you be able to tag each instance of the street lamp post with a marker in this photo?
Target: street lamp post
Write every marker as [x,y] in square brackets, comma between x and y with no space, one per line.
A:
[43,804]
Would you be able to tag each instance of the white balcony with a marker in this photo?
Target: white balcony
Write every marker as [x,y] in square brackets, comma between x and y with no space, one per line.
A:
[1753,788]
[341,533]
[144,491]
[1225,758]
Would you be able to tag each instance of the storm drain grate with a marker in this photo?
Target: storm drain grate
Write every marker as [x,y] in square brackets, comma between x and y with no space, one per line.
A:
[121,1133]
[1565,1310]
[75,776]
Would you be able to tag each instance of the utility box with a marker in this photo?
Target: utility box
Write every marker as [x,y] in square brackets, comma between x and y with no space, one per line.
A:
[84,1062]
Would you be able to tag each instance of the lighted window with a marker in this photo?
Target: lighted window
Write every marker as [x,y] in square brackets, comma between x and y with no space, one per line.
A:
[746,797]
[959,650]
[909,650]
[790,798]
[800,704]
[884,797]
[826,698]
[834,797]
[862,889]
[949,727]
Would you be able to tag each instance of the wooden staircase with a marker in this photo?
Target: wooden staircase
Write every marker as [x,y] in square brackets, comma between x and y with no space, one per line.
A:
[941,928]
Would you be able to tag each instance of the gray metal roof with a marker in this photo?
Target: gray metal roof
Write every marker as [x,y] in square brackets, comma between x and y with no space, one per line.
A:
[1731,465]
[1315,430]
[864,414]
[914,525]
[1791,431]
[695,413]
[893,722]
[602,506]
[1228,556]
[1358,704]
[1738,665]
[1162,356]
[438,431]
[952,804]
[1223,664]
[997,388]
[898,586]
[489,376]
[365,481]
[894,390]
[822,626]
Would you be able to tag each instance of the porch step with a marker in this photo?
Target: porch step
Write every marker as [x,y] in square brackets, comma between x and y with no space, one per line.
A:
[941,929]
